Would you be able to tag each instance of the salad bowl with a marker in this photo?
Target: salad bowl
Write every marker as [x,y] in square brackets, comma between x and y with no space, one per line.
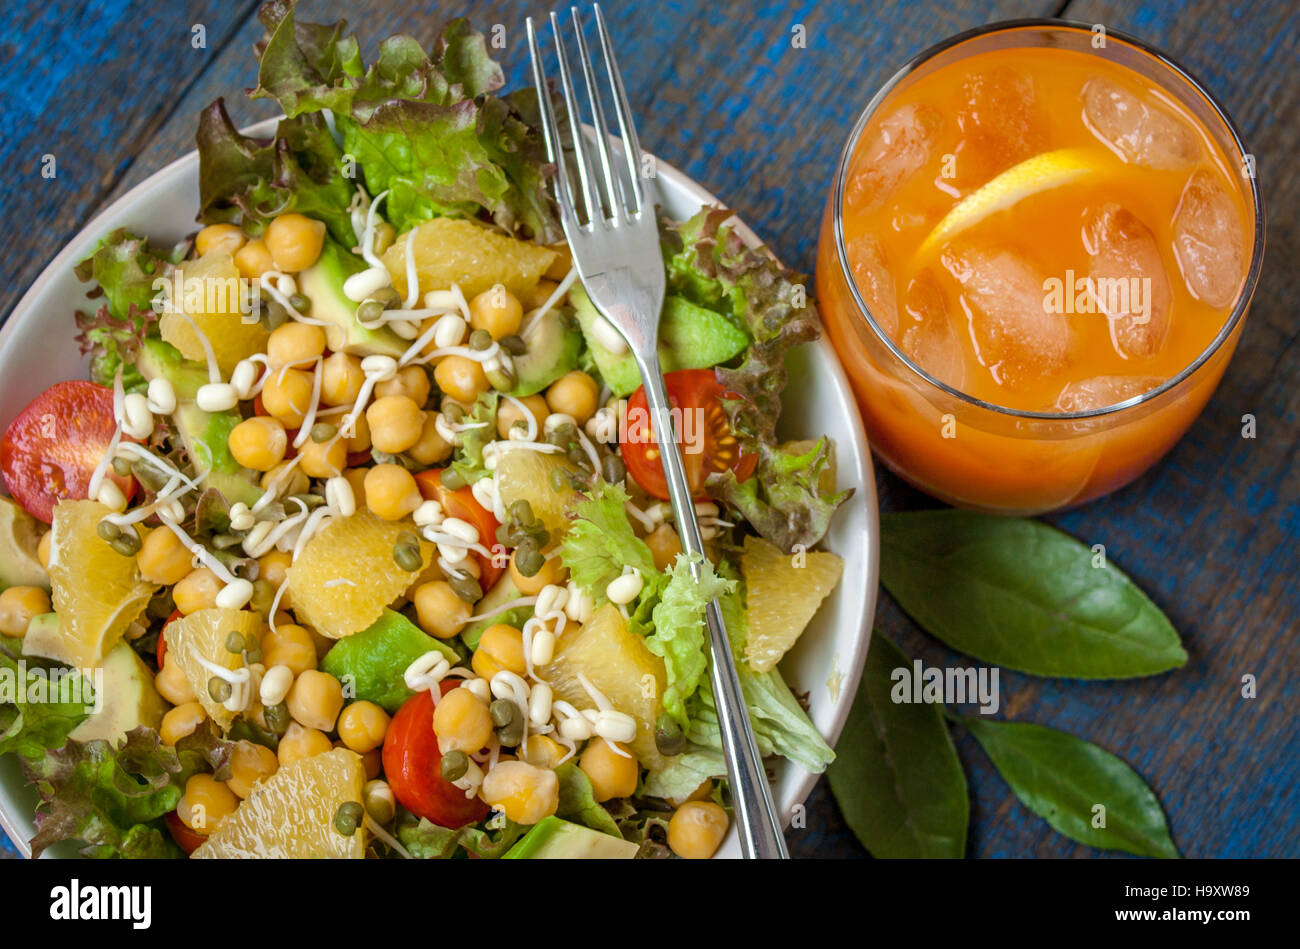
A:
[37,348]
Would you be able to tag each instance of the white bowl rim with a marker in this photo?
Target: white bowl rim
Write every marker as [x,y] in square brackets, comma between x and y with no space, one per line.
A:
[856,462]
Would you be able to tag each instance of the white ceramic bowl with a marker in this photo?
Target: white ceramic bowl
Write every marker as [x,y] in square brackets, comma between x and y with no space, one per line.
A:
[37,349]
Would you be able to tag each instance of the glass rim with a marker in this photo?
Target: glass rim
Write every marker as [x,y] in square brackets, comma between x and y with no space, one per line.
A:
[837,214]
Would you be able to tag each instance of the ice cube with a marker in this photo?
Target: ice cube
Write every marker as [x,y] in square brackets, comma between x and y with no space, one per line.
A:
[930,339]
[1209,240]
[1136,130]
[871,272]
[1129,283]
[899,146]
[1015,335]
[1101,391]
[1001,124]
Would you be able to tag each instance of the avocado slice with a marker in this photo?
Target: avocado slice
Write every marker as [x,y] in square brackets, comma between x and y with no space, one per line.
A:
[557,839]
[690,337]
[552,351]
[322,282]
[374,659]
[126,696]
[20,535]
[205,434]
[504,591]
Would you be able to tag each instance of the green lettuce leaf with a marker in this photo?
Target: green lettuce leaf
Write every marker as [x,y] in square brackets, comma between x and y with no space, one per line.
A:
[601,542]
[709,263]
[123,269]
[250,181]
[426,840]
[428,129]
[578,801]
[679,636]
[469,454]
[42,720]
[112,798]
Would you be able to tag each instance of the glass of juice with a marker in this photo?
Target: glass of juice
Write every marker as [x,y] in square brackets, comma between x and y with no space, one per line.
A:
[1036,262]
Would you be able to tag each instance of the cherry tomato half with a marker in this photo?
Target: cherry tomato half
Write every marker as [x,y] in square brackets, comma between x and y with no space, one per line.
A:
[413,766]
[188,840]
[462,503]
[708,445]
[52,448]
[162,637]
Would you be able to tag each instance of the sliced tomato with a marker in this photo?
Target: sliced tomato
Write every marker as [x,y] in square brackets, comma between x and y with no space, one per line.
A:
[708,443]
[52,448]
[188,840]
[413,766]
[461,503]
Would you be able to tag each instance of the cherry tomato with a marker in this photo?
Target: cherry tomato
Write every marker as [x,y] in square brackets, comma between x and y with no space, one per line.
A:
[462,503]
[162,637]
[413,766]
[188,840]
[708,444]
[52,448]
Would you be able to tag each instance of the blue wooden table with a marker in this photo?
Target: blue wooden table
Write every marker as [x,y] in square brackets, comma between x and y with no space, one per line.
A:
[112,90]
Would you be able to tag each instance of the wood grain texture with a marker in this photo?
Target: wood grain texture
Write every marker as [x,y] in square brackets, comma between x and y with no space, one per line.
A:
[719,91]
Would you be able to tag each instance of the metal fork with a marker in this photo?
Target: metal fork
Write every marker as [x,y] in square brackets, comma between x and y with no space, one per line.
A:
[615,246]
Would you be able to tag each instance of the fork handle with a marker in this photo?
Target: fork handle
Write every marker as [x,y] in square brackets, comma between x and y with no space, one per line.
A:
[757,820]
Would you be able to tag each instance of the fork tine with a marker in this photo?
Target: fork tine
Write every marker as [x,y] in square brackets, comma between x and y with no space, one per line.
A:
[615,194]
[595,214]
[631,147]
[550,128]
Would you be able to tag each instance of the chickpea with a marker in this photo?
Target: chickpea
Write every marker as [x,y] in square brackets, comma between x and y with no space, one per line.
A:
[525,793]
[258,443]
[286,396]
[273,567]
[363,725]
[508,413]
[323,459]
[294,344]
[172,684]
[17,607]
[340,379]
[253,259]
[432,447]
[360,440]
[496,310]
[462,722]
[410,381]
[696,830]
[612,774]
[250,763]
[316,699]
[163,559]
[43,549]
[561,265]
[542,751]
[396,422]
[295,242]
[300,742]
[356,478]
[205,803]
[391,492]
[553,571]
[295,482]
[197,590]
[440,611]
[219,238]
[539,294]
[575,393]
[289,645]
[373,762]
[701,793]
[461,378]
[181,722]
[501,647]
[664,545]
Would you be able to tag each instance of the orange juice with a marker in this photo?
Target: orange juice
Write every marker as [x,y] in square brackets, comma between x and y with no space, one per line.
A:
[1038,230]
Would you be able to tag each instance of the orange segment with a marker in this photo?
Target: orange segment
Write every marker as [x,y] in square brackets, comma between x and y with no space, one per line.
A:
[212,292]
[783,593]
[203,634]
[448,250]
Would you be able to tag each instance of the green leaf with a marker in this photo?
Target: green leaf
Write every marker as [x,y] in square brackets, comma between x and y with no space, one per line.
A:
[469,454]
[578,801]
[426,840]
[679,630]
[1018,593]
[52,704]
[601,542]
[896,775]
[1062,779]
